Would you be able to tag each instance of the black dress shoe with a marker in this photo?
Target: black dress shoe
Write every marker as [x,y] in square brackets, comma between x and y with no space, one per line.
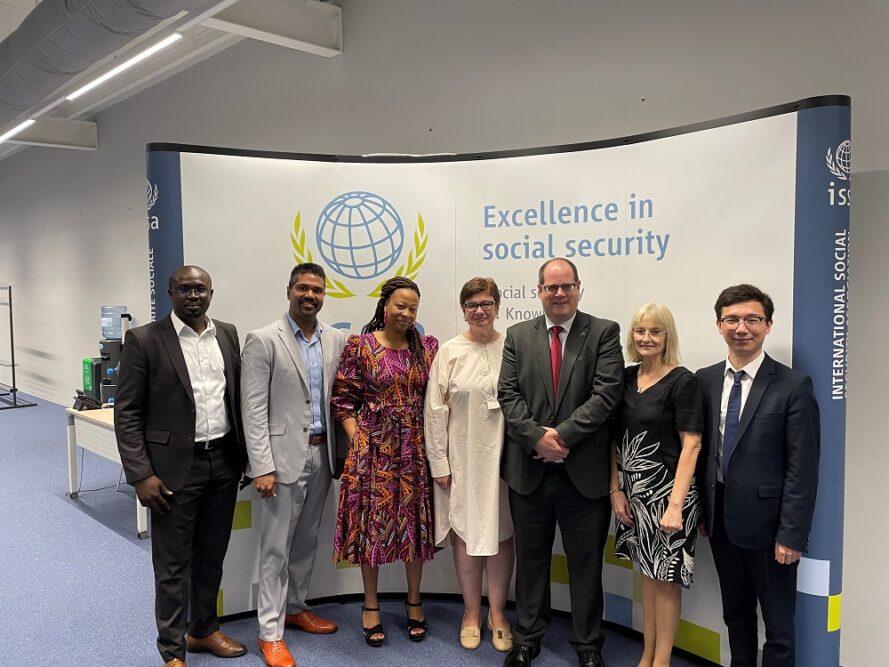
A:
[590,658]
[521,655]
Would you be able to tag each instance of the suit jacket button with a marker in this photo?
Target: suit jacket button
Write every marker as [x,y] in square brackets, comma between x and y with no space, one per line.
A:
[308,401]
[305,429]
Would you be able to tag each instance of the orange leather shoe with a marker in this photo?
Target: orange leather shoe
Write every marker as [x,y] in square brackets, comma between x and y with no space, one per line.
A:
[219,644]
[175,662]
[276,653]
[309,622]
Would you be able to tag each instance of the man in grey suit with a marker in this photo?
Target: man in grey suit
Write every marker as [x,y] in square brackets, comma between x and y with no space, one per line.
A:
[287,371]
[560,383]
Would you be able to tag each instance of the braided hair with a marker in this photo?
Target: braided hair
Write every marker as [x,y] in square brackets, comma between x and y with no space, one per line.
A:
[377,323]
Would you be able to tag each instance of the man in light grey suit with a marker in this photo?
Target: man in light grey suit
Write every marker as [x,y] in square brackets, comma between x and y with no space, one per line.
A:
[287,371]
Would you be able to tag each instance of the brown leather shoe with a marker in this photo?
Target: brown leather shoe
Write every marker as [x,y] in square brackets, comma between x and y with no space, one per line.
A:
[276,653]
[219,644]
[175,662]
[309,622]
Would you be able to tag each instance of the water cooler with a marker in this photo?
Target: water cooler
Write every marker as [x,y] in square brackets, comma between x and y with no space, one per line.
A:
[100,373]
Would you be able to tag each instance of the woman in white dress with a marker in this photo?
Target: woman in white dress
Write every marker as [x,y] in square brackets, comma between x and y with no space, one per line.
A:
[464,439]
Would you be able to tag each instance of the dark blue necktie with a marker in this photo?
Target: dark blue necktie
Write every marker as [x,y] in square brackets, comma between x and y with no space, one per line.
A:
[732,417]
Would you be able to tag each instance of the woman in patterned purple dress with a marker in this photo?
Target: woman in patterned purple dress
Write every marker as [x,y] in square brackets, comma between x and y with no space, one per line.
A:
[385,507]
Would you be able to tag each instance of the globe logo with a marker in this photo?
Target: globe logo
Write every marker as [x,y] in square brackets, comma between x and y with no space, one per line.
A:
[359,235]
[840,162]
[843,156]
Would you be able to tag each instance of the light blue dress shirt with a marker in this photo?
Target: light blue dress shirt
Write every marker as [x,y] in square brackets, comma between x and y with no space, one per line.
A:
[313,358]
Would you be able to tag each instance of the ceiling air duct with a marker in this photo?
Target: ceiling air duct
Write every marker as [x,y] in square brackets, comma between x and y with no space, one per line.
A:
[60,39]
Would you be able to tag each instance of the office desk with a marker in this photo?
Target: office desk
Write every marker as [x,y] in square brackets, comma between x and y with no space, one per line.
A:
[93,430]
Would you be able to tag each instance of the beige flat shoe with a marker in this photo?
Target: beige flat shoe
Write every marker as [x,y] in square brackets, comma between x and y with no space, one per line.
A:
[501,638]
[470,638]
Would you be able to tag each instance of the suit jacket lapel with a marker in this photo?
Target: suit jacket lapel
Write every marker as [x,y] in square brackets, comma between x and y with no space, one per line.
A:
[174,349]
[573,344]
[751,405]
[540,348]
[289,340]
[714,396]
[329,354]
[227,348]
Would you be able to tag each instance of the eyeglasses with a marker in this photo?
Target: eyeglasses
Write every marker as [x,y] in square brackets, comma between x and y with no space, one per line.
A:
[639,332]
[751,321]
[184,290]
[305,289]
[553,289]
[484,305]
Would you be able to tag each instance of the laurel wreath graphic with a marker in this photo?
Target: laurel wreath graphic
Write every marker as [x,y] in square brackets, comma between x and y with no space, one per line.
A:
[151,195]
[339,290]
[834,169]
[415,257]
[301,254]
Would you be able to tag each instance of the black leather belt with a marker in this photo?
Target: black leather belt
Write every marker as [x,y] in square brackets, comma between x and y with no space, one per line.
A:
[318,438]
[209,445]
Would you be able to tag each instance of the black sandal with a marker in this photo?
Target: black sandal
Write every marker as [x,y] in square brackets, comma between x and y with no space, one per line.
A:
[414,624]
[375,630]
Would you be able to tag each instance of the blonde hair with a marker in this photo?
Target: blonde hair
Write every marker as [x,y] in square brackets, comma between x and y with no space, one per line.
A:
[663,318]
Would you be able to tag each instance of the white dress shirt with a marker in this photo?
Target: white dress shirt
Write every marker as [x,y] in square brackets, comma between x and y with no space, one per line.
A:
[563,335]
[750,371]
[206,370]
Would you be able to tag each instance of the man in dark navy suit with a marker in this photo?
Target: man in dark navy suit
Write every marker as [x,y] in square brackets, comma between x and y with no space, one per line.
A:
[760,468]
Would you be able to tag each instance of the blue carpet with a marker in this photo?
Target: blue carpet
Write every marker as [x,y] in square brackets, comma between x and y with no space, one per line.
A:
[77,587]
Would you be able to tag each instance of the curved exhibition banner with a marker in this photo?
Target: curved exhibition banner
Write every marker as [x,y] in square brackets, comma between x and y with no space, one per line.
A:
[672,216]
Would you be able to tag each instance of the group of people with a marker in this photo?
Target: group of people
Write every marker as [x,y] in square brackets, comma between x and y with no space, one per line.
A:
[487,442]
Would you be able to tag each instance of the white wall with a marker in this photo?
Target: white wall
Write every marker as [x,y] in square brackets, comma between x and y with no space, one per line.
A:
[461,76]
[866,591]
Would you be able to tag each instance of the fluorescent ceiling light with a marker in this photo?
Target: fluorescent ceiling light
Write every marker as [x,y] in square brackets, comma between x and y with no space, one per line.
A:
[18,128]
[139,57]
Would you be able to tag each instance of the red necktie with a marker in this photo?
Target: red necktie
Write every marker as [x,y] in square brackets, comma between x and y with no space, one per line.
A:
[555,356]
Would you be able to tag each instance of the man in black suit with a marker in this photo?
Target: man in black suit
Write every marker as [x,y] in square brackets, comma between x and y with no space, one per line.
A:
[760,469]
[179,434]
[560,383]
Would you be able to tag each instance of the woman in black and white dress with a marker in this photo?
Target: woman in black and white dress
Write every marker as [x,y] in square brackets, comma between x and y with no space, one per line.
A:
[653,492]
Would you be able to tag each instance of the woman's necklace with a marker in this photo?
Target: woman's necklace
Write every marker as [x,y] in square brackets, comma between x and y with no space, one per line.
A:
[651,379]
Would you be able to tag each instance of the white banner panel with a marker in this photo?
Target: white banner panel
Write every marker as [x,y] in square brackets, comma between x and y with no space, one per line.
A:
[672,218]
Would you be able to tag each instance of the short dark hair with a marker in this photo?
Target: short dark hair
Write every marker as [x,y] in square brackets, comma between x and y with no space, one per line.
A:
[741,293]
[174,277]
[556,259]
[479,285]
[306,267]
